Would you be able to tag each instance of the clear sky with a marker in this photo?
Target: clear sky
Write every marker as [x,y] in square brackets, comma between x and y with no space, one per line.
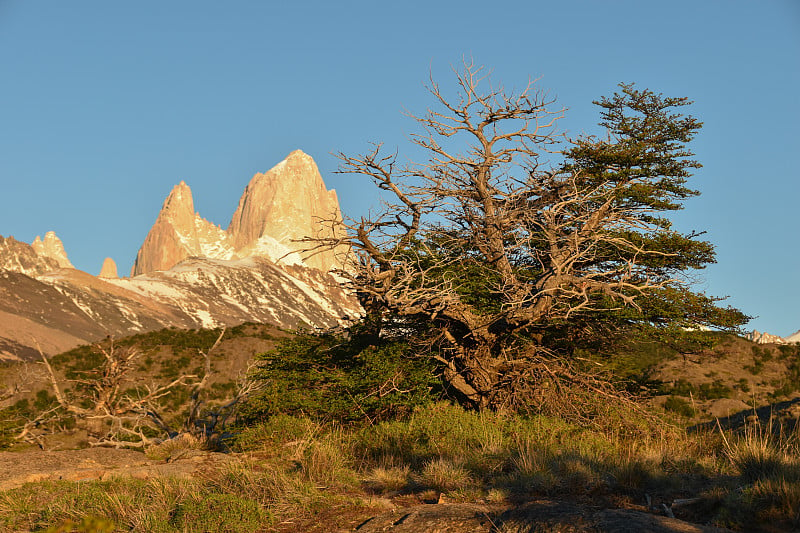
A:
[105,106]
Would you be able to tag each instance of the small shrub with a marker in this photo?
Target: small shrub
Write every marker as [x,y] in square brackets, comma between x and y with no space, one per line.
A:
[680,406]
[278,430]
[743,385]
[681,388]
[436,430]
[443,475]
[786,351]
[325,462]
[713,391]
[170,448]
[633,473]
[755,368]
[384,479]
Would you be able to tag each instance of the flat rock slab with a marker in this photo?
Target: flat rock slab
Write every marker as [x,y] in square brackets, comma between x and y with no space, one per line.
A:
[18,468]
[436,518]
[544,515]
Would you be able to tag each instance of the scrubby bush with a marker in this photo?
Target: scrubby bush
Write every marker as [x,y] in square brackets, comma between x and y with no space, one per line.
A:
[705,391]
[680,406]
[714,390]
[328,377]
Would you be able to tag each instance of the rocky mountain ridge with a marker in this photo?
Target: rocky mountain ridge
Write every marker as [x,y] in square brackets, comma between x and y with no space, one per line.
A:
[17,256]
[769,338]
[53,248]
[277,209]
[189,273]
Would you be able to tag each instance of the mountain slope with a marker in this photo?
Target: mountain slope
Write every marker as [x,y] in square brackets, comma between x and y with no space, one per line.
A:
[68,307]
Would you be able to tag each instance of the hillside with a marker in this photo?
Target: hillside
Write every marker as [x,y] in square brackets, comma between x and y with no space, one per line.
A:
[732,378]
[160,358]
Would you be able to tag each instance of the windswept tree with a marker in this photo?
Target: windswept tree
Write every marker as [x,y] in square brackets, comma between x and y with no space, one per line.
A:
[512,241]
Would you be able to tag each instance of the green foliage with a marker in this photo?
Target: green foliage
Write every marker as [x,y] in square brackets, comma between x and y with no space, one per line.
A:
[13,418]
[681,388]
[44,400]
[790,382]
[77,362]
[274,432]
[743,385]
[480,442]
[332,378]
[789,351]
[250,329]
[166,505]
[646,161]
[761,355]
[713,391]
[188,339]
[175,366]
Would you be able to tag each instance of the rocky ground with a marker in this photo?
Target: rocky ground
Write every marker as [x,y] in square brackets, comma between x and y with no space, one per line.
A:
[540,515]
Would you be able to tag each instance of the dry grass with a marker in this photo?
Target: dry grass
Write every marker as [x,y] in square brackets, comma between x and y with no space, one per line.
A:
[295,470]
[444,475]
[388,480]
[173,448]
[767,462]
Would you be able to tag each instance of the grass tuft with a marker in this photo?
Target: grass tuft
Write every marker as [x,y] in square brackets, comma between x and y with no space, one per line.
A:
[444,475]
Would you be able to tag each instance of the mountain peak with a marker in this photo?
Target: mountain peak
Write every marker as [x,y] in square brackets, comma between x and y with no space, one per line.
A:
[17,256]
[768,338]
[288,202]
[179,202]
[278,208]
[179,233]
[109,269]
[299,154]
[52,247]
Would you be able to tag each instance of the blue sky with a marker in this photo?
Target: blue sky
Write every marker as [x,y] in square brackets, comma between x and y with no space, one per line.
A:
[105,106]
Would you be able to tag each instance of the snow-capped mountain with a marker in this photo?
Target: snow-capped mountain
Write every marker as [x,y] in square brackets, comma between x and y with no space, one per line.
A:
[189,273]
[768,338]
[277,208]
